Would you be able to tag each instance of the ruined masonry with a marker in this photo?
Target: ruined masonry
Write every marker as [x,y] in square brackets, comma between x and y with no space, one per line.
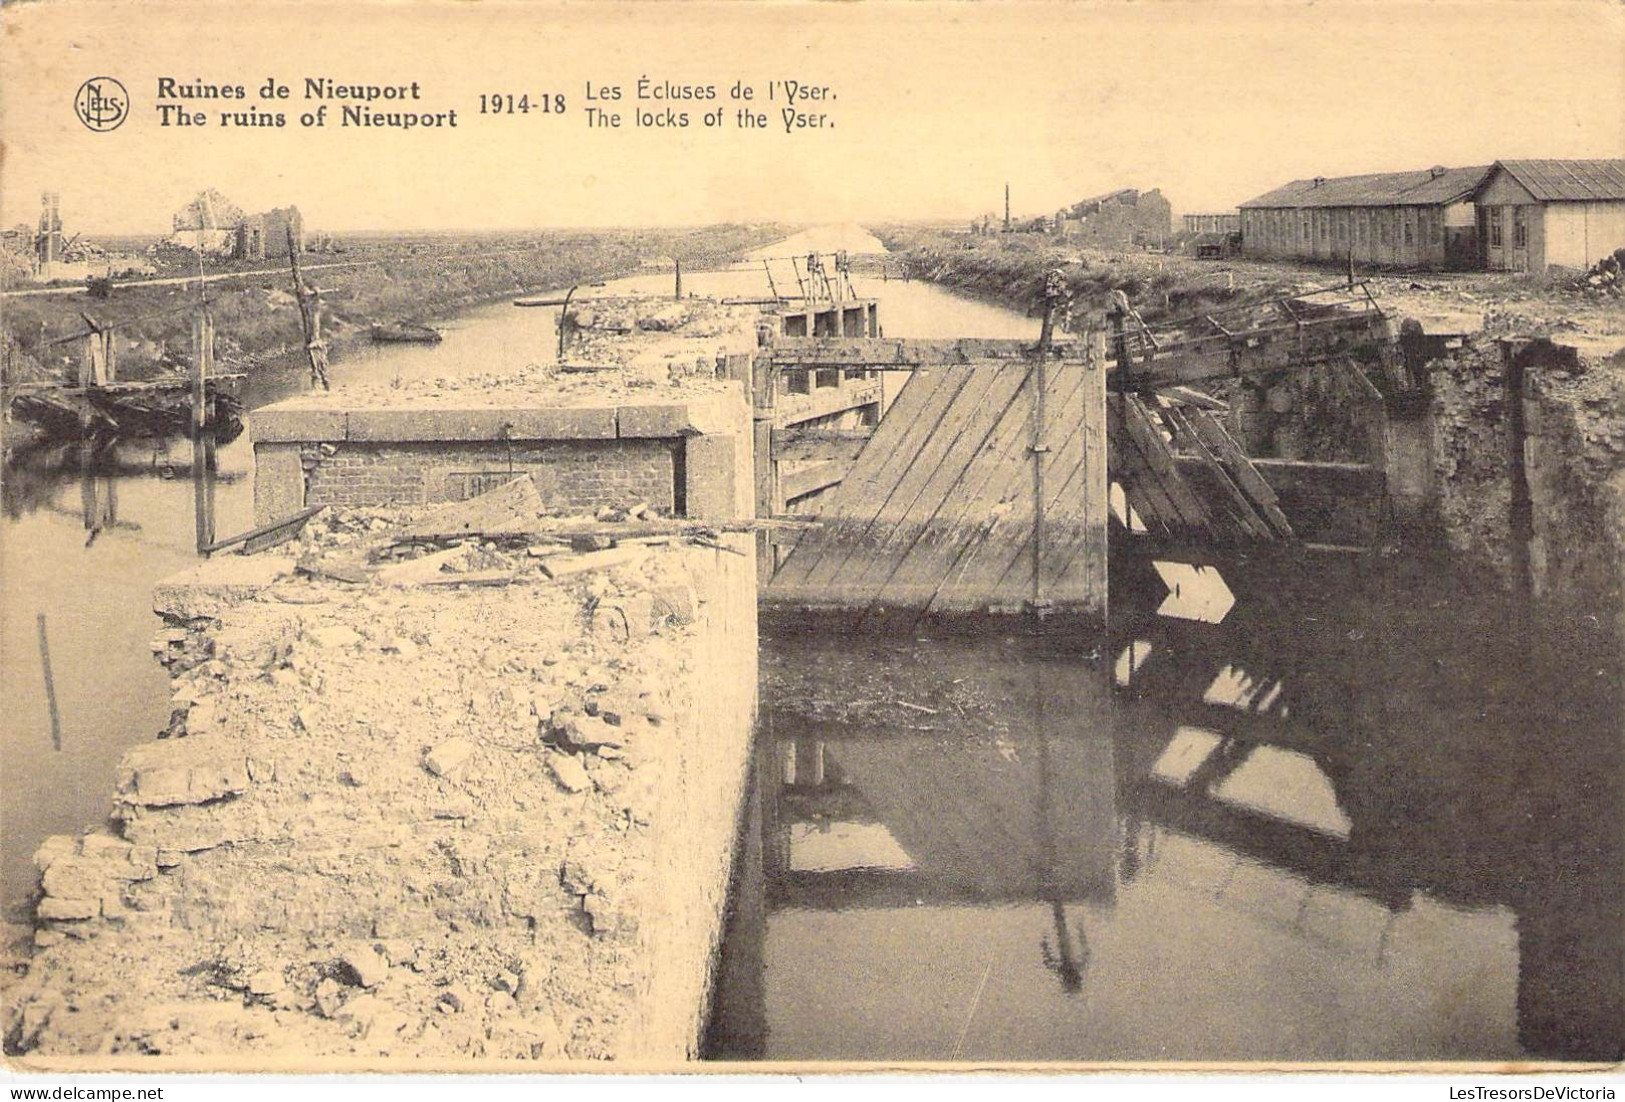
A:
[425,794]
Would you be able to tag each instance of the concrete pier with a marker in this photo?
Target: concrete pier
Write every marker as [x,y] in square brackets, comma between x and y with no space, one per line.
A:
[464,803]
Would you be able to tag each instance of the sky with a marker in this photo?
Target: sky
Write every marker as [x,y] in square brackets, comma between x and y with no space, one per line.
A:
[936,105]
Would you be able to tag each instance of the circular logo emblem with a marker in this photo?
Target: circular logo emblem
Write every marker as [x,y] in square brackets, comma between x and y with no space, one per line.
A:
[102,103]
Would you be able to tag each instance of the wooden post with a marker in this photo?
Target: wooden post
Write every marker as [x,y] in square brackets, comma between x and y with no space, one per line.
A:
[50,686]
[88,374]
[202,434]
[310,316]
[763,390]
[564,316]
[677,291]
[1096,488]
[110,355]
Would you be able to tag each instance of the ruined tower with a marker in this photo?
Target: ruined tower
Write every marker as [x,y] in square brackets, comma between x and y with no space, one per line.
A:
[48,244]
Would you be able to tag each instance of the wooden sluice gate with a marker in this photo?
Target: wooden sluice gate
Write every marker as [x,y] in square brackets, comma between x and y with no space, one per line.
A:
[988,486]
[982,490]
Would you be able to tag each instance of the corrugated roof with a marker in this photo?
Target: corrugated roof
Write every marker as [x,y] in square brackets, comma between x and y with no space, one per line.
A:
[1423,187]
[1561,181]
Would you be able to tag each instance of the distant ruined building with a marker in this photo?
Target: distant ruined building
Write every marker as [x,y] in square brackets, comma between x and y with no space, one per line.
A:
[215,226]
[1121,219]
[266,236]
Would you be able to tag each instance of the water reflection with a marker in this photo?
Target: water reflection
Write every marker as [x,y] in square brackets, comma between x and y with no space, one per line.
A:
[1329,829]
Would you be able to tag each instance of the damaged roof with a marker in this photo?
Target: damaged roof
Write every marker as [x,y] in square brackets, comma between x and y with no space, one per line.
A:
[1568,181]
[1422,188]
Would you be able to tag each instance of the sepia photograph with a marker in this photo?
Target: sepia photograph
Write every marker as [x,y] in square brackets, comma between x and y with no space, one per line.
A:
[779,537]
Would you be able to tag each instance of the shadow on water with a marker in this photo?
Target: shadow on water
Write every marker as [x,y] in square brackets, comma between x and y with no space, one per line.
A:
[1347,816]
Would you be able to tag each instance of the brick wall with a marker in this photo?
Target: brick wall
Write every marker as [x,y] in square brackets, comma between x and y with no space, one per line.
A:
[572,475]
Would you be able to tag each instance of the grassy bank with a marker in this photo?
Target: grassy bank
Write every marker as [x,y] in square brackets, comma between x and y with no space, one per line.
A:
[383,278]
[1010,270]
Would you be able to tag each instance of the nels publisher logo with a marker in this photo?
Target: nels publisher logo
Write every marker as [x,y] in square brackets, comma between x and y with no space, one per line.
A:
[102,103]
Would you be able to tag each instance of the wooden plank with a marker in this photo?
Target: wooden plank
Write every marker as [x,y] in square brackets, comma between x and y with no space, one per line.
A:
[278,531]
[1063,510]
[864,491]
[977,580]
[936,466]
[1329,480]
[934,531]
[949,536]
[1003,572]
[1271,348]
[798,444]
[1142,434]
[513,506]
[1141,489]
[1084,574]
[1239,467]
[1074,560]
[1239,507]
[1192,397]
[810,480]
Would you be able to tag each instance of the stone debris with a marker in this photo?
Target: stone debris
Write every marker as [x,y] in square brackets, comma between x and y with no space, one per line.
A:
[569,772]
[365,966]
[299,849]
[449,757]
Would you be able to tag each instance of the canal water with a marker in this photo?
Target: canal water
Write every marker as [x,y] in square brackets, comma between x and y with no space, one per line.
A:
[1327,811]
[1319,813]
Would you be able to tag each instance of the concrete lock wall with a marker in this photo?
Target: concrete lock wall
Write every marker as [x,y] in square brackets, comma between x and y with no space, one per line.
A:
[688,458]
[699,802]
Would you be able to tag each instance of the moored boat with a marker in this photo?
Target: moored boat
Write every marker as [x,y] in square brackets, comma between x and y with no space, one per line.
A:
[405,332]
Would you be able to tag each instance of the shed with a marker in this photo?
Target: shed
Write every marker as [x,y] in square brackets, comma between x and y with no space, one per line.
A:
[1536,214]
[1421,218]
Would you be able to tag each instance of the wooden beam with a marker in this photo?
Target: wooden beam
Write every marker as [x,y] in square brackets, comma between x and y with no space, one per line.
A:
[1273,348]
[901,354]
[795,444]
[1217,356]
[809,480]
[1330,480]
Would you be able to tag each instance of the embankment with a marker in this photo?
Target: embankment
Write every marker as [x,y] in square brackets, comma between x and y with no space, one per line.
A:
[1010,271]
[257,319]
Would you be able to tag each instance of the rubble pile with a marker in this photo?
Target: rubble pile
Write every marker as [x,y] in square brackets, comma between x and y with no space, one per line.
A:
[399,810]
[1606,278]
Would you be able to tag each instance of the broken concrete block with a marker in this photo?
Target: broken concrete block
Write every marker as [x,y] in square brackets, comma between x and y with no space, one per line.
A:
[365,966]
[216,584]
[569,566]
[265,982]
[568,771]
[448,757]
[54,909]
[675,603]
[429,567]
[334,635]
